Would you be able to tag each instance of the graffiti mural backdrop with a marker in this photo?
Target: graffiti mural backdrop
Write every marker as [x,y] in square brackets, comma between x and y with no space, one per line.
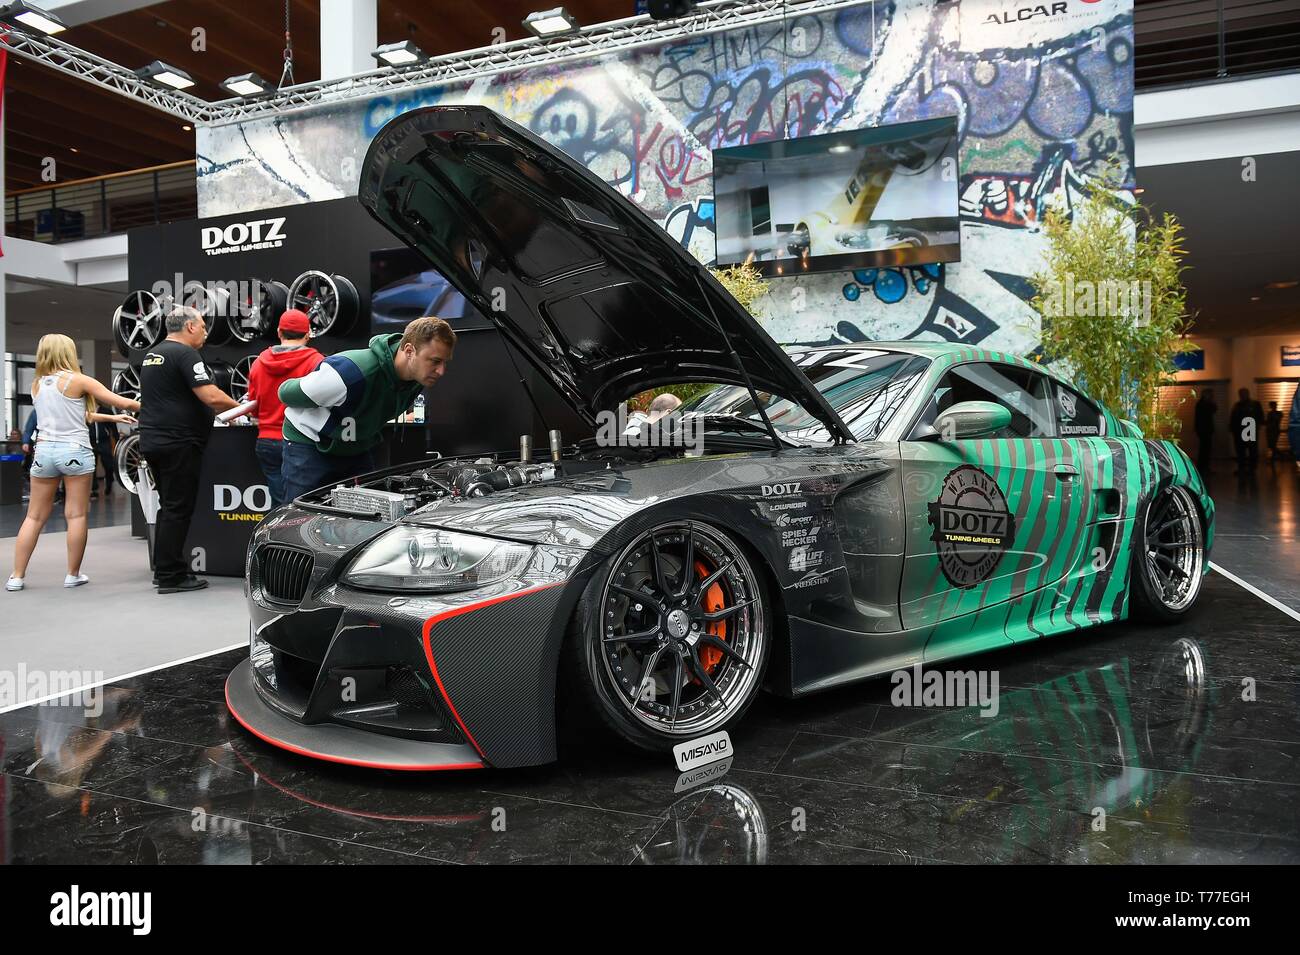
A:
[1043,94]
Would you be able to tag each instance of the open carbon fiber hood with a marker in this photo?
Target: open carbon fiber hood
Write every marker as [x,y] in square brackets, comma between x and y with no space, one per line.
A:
[591,290]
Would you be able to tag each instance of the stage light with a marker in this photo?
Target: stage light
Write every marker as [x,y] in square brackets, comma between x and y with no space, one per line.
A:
[33,18]
[399,54]
[247,84]
[548,23]
[164,74]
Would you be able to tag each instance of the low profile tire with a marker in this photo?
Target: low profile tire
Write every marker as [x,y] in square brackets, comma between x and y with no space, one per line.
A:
[1168,557]
[671,637]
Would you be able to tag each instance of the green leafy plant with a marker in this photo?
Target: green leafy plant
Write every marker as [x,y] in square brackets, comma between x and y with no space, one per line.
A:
[1112,304]
[747,286]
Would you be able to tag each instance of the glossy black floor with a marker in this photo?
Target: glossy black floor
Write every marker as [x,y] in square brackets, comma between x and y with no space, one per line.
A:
[1142,731]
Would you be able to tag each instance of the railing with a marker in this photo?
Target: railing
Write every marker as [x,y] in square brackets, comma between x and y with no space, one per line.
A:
[104,205]
[1180,42]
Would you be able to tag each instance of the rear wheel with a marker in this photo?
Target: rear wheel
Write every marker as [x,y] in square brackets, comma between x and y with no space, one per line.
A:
[1168,558]
[672,636]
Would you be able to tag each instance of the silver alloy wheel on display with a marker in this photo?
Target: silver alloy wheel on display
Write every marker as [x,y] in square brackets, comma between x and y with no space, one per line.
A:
[1173,549]
[130,462]
[258,315]
[239,378]
[681,627]
[330,301]
[127,384]
[138,323]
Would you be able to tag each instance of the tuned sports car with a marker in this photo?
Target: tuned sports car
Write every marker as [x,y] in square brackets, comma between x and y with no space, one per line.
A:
[853,510]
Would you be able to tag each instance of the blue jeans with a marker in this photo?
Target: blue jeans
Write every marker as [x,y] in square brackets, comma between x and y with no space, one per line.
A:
[269,451]
[303,468]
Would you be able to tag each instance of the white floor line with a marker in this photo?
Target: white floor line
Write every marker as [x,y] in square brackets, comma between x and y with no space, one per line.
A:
[1273,601]
[124,676]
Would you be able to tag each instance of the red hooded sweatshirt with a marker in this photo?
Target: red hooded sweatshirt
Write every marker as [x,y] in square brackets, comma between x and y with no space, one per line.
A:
[273,367]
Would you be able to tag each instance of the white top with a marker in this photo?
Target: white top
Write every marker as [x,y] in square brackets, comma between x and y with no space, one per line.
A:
[58,417]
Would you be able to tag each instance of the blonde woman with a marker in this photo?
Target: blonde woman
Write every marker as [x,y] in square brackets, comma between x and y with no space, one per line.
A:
[65,402]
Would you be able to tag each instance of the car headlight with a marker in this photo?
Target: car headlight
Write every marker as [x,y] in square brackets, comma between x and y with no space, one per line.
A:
[416,558]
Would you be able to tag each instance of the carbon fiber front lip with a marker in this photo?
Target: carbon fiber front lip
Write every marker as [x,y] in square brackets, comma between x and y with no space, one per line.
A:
[334,743]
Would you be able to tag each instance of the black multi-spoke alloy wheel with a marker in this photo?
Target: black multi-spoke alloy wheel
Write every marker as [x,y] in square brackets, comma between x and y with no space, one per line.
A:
[127,383]
[138,323]
[1168,557]
[330,301]
[215,304]
[239,378]
[672,636]
[258,315]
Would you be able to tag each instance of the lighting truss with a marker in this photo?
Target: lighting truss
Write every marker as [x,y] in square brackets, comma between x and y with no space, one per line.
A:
[603,39]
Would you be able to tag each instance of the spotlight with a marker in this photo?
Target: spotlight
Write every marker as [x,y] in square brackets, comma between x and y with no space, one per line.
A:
[669,9]
[34,18]
[399,54]
[247,84]
[548,23]
[165,75]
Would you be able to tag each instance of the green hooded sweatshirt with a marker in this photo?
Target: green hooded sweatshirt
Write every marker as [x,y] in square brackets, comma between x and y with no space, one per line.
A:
[342,406]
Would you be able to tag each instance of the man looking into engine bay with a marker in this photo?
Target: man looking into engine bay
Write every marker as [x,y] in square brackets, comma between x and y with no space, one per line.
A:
[334,416]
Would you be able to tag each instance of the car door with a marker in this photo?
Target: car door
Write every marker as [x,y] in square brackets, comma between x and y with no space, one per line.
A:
[989,521]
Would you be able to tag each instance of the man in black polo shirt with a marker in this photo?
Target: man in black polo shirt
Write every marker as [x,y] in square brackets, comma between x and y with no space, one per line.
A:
[177,404]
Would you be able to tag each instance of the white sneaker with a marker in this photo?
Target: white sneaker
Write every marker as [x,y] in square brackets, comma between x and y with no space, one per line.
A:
[77,581]
[14,583]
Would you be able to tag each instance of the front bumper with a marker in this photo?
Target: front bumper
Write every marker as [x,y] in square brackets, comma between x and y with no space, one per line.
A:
[395,680]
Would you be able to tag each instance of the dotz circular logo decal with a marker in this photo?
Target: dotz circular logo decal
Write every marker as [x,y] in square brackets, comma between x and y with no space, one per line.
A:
[972,526]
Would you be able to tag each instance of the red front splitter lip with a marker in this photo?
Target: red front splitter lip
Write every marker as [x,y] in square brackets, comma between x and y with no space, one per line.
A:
[335,743]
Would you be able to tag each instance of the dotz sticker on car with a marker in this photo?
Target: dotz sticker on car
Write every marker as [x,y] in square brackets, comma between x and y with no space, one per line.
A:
[972,526]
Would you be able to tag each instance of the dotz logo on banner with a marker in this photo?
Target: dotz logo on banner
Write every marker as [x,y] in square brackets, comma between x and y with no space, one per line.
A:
[243,236]
[972,526]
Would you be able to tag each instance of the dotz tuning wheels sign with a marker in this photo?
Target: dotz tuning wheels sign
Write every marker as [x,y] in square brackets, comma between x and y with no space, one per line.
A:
[138,323]
[330,301]
[258,315]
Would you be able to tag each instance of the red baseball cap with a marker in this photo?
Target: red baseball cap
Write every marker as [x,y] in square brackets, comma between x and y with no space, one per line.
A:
[295,321]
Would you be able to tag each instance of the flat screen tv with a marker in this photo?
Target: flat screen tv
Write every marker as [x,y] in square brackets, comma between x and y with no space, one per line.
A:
[403,287]
[854,199]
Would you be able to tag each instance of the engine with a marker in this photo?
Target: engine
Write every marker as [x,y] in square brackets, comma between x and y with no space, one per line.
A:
[395,495]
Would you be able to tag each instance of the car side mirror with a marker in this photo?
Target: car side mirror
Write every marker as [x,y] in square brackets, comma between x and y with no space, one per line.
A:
[969,419]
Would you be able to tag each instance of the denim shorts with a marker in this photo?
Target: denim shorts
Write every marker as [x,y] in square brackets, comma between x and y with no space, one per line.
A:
[61,459]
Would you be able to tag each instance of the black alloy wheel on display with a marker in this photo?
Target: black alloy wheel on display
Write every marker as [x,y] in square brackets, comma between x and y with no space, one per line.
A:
[138,323]
[258,315]
[223,374]
[127,384]
[330,301]
[239,378]
[1168,557]
[215,304]
[671,641]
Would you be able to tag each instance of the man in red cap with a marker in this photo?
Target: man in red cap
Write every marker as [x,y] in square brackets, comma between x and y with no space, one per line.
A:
[292,358]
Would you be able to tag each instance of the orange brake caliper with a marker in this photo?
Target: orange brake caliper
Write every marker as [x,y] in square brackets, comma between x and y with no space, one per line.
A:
[713,601]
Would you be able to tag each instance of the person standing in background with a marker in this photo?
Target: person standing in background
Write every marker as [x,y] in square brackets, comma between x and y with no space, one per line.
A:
[178,402]
[65,400]
[1246,420]
[292,358]
[1273,429]
[1205,409]
[104,435]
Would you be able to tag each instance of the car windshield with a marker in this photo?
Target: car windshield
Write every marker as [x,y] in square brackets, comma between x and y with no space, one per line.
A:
[866,388]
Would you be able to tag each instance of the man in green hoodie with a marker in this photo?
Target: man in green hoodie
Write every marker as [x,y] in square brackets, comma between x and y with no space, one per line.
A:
[334,417]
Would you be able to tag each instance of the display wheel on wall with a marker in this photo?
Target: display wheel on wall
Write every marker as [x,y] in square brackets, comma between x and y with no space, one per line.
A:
[239,378]
[223,375]
[330,301]
[138,323]
[130,462]
[215,306]
[127,384]
[258,315]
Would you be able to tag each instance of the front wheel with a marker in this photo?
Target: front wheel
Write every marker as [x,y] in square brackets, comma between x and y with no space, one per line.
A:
[1168,558]
[672,636]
